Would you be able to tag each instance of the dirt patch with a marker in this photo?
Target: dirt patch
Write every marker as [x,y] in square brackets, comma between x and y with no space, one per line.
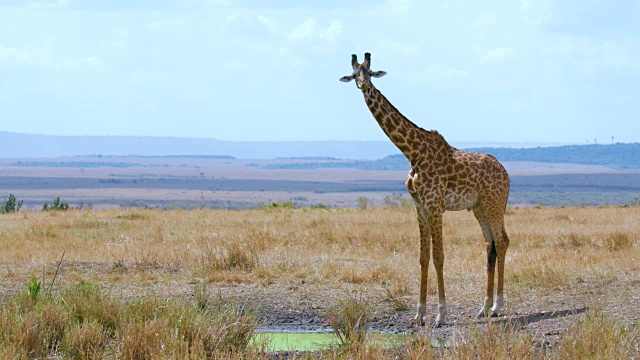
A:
[545,314]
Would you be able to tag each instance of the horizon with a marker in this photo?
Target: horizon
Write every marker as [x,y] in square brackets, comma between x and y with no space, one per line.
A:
[246,71]
[498,144]
[20,145]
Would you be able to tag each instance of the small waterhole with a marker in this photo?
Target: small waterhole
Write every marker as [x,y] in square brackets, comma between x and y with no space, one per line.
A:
[317,340]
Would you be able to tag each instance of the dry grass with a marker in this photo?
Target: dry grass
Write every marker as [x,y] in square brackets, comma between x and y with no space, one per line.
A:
[84,322]
[554,252]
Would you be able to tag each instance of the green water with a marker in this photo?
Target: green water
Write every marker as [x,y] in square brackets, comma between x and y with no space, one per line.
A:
[311,341]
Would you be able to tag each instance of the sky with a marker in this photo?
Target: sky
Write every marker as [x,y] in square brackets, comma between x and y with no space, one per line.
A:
[529,71]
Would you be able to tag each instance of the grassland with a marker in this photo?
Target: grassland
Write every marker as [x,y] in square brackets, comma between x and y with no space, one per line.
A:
[572,280]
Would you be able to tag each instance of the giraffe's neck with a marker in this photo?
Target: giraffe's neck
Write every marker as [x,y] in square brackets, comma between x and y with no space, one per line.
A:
[407,136]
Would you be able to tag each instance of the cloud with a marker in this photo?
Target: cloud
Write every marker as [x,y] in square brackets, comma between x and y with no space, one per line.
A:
[121,41]
[437,75]
[236,66]
[155,25]
[303,31]
[536,12]
[246,24]
[444,72]
[485,19]
[267,23]
[165,22]
[591,55]
[615,55]
[48,4]
[147,78]
[332,32]
[289,58]
[10,55]
[28,57]
[87,63]
[499,54]
[396,48]
[309,29]
[43,58]
[399,6]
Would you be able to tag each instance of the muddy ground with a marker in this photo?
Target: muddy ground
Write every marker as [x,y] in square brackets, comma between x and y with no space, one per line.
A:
[547,314]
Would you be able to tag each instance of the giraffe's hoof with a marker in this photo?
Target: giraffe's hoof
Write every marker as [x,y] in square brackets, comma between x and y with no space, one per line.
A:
[419,320]
[494,314]
[482,314]
[438,324]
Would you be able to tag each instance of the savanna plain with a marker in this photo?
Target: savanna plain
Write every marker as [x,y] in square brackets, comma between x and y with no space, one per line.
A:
[151,283]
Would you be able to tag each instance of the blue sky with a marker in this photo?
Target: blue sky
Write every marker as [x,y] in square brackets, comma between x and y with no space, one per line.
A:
[490,71]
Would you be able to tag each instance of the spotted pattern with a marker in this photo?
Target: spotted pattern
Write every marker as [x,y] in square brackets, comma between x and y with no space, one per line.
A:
[444,178]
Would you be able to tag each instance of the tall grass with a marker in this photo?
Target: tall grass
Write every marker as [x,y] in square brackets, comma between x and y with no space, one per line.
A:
[372,246]
[349,319]
[82,321]
[121,287]
[599,336]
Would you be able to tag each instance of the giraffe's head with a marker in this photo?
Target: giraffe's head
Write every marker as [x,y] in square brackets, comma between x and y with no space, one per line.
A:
[362,72]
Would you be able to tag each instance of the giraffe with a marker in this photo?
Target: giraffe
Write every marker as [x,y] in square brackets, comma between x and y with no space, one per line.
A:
[443,178]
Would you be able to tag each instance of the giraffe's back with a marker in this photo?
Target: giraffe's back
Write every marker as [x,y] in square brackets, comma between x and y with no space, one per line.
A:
[472,177]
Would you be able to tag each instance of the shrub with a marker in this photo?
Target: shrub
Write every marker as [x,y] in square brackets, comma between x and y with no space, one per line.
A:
[11,205]
[320,206]
[282,205]
[392,200]
[58,205]
[364,202]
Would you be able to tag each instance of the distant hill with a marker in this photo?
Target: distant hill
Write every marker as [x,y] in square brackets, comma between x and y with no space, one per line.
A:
[372,154]
[15,145]
[39,146]
[391,162]
[617,156]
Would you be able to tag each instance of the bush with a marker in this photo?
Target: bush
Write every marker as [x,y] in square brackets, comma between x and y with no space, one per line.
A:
[364,202]
[320,206]
[58,205]
[282,205]
[397,200]
[11,205]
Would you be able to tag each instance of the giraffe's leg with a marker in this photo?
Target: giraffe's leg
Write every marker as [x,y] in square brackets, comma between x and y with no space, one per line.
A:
[425,242]
[480,215]
[438,262]
[501,250]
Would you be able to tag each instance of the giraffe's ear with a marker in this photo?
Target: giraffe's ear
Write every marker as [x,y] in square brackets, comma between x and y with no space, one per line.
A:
[346,78]
[377,74]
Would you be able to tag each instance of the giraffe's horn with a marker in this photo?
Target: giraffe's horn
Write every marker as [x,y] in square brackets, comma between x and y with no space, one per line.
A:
[367,59]
[354,60]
